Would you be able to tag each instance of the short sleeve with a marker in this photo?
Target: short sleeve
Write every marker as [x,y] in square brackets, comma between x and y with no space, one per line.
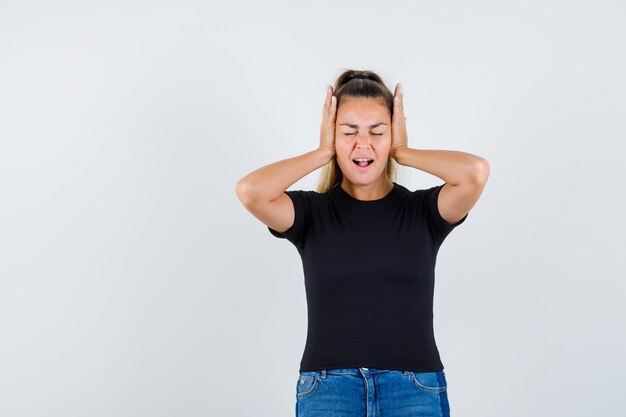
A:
[301,205]
[439,227]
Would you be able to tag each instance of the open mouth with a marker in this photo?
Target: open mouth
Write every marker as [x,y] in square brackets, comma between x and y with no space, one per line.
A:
[361,162]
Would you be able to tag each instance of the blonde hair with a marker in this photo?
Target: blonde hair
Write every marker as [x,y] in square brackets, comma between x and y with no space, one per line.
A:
[369,85]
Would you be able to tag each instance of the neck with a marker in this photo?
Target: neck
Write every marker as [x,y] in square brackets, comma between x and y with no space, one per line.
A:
[366,192]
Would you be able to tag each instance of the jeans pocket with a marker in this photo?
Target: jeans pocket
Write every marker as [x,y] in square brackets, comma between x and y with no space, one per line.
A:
[307,384]
[431,382]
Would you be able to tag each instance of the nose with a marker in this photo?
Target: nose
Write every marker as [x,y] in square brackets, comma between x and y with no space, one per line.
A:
[362,140]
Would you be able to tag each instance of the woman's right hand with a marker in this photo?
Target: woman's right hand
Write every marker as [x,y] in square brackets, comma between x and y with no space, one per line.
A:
[327,130]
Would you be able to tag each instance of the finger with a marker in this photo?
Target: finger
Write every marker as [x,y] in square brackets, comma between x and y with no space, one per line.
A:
[327,101]
[398,102]
[332,103]
[398,108]
[397,90]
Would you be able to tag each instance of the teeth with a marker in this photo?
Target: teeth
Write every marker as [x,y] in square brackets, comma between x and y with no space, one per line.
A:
[363,159]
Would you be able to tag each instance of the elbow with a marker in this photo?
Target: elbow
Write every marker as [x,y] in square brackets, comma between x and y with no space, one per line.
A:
[243,191]
[481,171]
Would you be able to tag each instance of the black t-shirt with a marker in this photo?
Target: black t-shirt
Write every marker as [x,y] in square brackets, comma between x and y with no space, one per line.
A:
[369,271]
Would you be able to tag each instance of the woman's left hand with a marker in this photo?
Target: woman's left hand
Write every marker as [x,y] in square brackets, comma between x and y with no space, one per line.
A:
[399,137]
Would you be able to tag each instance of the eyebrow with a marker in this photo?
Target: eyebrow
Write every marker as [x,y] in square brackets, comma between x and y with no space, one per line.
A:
[356,126]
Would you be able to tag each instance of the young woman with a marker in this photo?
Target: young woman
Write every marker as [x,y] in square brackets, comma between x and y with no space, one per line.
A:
[368,247]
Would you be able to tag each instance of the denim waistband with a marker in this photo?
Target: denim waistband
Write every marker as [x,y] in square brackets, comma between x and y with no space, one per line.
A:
[353,371]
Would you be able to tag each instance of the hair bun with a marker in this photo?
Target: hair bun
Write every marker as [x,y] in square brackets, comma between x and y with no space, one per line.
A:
[357,75]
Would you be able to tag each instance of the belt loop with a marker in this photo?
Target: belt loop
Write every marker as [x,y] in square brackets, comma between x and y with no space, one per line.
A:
[323,373]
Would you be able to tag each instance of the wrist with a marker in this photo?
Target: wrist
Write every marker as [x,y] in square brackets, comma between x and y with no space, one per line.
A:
[396,153]
[325,153]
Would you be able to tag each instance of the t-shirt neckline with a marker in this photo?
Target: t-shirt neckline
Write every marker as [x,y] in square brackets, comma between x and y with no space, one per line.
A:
[344,194]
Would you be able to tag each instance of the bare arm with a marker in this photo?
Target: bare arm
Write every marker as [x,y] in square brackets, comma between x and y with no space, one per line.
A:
[270,181]
[454,167]
[262,191]
[465,174]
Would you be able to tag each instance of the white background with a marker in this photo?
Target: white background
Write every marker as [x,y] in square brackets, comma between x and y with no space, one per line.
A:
[134,283]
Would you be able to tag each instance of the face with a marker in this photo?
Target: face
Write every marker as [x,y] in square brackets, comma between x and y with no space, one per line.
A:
[363,130]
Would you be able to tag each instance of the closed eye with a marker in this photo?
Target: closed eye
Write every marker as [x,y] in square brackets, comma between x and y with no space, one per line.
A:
[375,134]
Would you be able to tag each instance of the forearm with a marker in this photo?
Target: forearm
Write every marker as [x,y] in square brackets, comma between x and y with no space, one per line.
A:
[270,181]
[453,167]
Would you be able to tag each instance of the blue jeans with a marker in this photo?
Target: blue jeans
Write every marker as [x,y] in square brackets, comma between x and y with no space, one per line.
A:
[371,392]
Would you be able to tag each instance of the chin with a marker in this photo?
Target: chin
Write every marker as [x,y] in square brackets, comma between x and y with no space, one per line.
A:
[370,178]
